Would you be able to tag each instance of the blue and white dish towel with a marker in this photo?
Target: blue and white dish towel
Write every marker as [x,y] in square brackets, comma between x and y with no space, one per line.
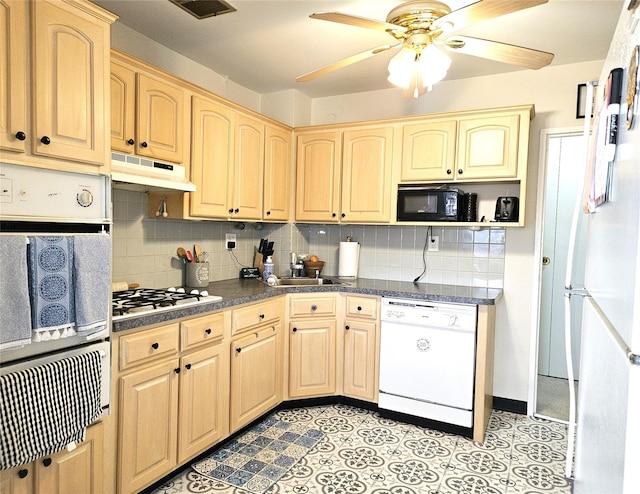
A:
[15,316]
[51,287]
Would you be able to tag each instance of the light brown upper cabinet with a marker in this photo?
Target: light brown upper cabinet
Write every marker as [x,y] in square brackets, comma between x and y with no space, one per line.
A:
[68,54]
[318,176]
[345,176]
[488,146]
[248,169]
[147,114]
[277,174]
[366,175]
[428,151]
[485,145]
[212,137]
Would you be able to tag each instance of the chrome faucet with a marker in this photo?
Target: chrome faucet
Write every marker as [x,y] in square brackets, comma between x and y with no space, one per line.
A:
[296,266]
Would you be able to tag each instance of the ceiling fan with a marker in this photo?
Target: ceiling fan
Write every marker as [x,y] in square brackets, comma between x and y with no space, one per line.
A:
[420,27]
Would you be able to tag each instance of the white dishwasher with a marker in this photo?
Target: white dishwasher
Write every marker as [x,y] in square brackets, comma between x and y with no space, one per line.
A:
[427,359]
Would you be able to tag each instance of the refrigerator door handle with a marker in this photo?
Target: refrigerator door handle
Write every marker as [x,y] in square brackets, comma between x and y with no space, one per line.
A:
[634,359]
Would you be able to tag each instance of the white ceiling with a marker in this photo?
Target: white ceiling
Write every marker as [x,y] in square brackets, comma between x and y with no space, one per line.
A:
[266,44]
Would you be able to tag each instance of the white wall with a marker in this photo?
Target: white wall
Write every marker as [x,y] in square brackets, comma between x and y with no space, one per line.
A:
[553,92]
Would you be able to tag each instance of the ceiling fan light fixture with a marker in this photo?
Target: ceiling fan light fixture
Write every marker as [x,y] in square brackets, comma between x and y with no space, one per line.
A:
[417,72]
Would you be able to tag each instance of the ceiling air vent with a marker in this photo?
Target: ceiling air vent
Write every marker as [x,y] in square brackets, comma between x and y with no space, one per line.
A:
[204,8]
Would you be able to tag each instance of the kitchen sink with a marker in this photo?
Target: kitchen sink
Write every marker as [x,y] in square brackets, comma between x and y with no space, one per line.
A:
[283,282]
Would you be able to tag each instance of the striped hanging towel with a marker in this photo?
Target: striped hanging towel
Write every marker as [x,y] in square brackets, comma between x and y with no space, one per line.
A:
[45,408]
[50,262]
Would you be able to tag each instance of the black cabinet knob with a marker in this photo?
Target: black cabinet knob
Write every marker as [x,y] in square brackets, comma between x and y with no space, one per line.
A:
[46,462]
[314,307]
[333,215]
[155,346]
[236,210]
[188,366]
[208,330]
[131,142]
[268,213]
[22,473]
[21,136]
[238,350]
[347,328]
[261,316]
[144,144]
[177,370]
[294,329]
[448,171]
[359,308]
[45,140]
[230,210]
[343,215]
[460,171]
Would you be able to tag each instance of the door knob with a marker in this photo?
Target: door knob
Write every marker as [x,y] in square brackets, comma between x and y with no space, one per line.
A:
[546,261]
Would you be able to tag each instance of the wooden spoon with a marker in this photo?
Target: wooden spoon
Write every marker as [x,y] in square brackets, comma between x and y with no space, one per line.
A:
[182,254]
[197,252]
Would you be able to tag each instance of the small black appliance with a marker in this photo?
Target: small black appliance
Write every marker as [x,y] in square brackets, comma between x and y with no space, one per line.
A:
[507,209]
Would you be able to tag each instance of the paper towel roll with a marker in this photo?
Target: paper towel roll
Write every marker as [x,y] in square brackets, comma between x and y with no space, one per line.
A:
[348,259]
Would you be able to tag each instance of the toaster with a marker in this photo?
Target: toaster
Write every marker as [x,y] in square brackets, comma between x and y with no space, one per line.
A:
[507,209]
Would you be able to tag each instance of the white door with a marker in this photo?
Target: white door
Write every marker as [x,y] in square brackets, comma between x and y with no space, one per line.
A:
[563,186]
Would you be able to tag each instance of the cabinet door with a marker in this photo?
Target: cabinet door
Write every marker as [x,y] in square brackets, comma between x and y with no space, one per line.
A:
[428,151]
[360,359]
[204,400]
[256,375]
[277,174]
[248,168]
[488,147]
[69,75]
[13,83]
[18,480]
[212,158]
[312,358]
[123,107]
[147,429]
[318,177]
[160,118]
[79,470]
[366,175]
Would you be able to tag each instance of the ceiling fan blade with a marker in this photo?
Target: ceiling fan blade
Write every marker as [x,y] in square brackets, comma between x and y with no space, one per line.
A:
[483,10]
[501,52]
[353,20]
[345,62]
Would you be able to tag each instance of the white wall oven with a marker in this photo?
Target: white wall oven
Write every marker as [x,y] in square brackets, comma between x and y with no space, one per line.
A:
[55,281]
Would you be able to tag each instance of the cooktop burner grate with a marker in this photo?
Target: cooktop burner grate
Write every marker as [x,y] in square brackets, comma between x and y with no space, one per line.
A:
[147,299]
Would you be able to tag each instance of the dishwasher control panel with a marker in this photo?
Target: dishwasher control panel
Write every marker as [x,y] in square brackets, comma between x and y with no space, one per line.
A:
[426,313]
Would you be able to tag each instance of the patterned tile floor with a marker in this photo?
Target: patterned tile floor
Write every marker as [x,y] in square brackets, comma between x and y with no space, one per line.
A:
[365,453]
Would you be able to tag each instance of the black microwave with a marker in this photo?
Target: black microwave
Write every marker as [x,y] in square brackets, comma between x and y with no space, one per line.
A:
[430,204]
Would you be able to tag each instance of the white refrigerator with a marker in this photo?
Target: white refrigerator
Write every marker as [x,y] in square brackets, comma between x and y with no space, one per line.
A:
[607,448]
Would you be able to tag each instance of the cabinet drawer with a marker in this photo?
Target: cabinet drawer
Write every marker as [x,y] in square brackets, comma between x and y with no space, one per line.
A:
[312,305]
[200,330]
[146,346]
[253,315]
[366,307]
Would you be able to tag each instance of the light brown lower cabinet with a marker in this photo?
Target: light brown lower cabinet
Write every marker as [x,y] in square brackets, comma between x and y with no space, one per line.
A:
[63,472]
[173,398]
[361,343]
[256,374]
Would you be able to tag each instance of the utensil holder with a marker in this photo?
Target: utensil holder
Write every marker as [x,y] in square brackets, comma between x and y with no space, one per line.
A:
[197,274]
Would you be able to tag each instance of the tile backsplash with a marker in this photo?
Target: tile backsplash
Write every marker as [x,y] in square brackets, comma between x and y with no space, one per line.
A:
[144,249]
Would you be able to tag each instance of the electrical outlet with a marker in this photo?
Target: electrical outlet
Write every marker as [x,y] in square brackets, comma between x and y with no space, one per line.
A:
[230,241]
[434,244]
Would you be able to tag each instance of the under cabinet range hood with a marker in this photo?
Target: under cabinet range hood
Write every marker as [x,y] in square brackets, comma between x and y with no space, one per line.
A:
[136,173]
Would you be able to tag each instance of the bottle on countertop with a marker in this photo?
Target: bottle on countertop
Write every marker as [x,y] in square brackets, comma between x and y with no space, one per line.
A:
[268,268]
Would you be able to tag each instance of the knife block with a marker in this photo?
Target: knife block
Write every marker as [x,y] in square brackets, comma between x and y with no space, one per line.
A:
[258,262]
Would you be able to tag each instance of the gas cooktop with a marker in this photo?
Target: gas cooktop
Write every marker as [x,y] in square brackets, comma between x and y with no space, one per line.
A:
[140,301]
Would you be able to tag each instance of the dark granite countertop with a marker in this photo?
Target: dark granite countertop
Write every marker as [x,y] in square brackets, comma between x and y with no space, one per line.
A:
[242,291]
